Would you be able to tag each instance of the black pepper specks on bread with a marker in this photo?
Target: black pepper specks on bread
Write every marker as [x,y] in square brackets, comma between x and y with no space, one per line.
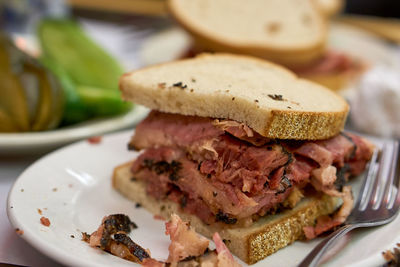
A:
[250,244]
[268,98]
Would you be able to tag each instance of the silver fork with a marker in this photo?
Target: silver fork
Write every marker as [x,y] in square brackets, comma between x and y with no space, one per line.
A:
[377,203]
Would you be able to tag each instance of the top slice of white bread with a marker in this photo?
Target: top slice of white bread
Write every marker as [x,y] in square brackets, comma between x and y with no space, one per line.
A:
[289,32]
[241,88]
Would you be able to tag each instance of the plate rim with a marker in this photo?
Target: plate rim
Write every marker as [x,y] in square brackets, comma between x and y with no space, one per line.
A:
[70,134]
[57,254]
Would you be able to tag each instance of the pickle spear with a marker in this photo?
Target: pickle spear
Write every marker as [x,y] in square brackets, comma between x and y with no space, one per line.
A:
[13,102]
[82,59]
[89,76]
[29,95]
[7,123]
[102,102]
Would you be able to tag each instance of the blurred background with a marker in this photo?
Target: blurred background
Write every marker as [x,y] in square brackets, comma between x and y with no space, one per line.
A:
[61,60]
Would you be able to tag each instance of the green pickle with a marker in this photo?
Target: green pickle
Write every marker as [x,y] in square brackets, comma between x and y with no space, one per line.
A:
[88,74]
[30,97]
[72,81]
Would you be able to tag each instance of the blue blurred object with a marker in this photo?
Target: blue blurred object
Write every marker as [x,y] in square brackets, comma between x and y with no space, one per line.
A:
[21,16]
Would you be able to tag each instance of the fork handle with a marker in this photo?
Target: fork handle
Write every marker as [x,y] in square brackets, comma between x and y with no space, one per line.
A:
[314,257]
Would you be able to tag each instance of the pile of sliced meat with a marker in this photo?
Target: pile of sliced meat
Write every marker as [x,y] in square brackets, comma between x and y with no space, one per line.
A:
[224,172]
[187,248]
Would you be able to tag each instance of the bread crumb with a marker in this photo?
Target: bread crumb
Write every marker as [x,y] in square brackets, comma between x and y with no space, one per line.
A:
[39,211]
[45,221]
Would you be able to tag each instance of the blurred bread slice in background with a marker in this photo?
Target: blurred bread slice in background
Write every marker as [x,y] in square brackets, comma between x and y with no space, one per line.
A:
[288,32]
[292,33]
[329,8]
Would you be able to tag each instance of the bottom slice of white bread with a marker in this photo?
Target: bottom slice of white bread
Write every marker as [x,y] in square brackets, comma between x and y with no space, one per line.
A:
[250,244]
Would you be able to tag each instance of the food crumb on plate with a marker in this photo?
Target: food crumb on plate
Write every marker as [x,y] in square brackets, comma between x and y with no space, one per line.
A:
[392,257]
[94,139]
[39,211]
[158,217]
[45,221]
[19,231]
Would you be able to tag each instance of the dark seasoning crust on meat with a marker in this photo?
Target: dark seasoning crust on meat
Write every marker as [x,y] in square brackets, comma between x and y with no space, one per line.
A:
[112,236]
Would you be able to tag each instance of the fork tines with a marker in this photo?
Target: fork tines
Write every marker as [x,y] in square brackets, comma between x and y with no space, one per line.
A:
[381,185]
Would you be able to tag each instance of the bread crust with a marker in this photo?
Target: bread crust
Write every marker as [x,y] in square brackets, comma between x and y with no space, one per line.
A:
[293,56]
[250,244]
[297,116]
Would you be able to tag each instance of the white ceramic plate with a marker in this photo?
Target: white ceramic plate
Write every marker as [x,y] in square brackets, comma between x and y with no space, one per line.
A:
[45,141]
[72,188]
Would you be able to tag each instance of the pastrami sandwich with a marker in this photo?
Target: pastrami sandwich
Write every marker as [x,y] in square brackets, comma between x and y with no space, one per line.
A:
[241,146]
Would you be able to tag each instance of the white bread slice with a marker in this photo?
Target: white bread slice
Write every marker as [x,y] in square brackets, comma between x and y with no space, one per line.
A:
[329,7]
[250,244]
[289,32]
[266,97]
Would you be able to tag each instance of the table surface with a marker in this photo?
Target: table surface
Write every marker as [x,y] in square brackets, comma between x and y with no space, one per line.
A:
[13,249]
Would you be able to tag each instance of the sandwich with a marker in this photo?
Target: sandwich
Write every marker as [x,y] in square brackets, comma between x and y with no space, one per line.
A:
[290,33]
[243,147]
